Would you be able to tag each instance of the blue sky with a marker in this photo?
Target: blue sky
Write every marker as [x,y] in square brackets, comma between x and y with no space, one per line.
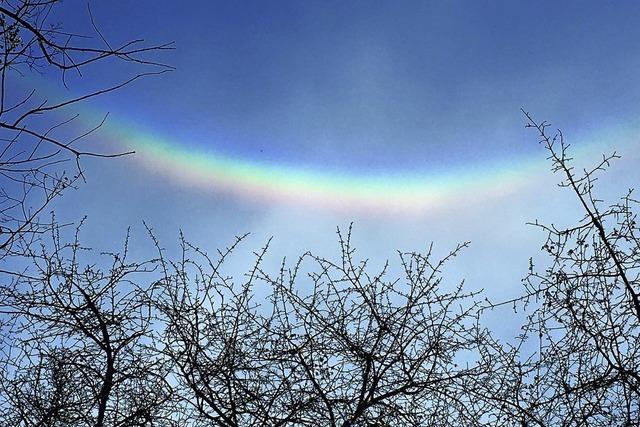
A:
[364,88]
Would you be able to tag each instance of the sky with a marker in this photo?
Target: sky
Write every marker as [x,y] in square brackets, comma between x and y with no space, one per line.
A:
[289,119]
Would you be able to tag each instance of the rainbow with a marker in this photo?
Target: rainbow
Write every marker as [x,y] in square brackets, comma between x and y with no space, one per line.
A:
[393,193]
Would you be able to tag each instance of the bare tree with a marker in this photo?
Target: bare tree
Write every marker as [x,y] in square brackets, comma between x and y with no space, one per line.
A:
[338,346]
[583,313]
[32,144]
[74,341]
[79,343]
